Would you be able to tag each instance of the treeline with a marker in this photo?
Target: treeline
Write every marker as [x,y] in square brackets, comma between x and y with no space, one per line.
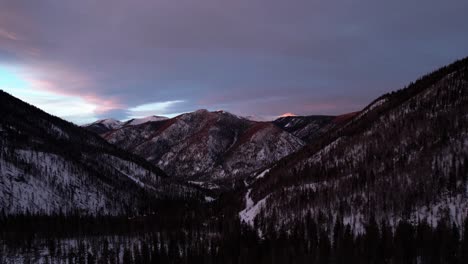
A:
[171,215]
[226,241]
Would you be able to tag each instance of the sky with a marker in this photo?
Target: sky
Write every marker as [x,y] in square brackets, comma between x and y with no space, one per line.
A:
[89,59]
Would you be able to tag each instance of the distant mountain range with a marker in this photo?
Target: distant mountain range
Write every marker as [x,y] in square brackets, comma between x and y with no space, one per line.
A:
[106,125]
[215,147]
[403,157]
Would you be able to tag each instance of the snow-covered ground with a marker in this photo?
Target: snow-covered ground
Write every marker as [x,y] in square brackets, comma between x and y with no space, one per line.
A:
[251,209]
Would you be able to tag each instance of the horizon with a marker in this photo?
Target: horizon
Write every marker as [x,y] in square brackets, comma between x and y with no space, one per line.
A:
[85,61]
[252,118]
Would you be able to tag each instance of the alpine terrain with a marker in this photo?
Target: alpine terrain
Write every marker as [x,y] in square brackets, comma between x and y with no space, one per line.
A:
[206,147]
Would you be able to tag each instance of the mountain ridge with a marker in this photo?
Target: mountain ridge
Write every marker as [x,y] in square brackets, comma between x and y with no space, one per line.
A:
[223,146]
[384,149]
[49,165]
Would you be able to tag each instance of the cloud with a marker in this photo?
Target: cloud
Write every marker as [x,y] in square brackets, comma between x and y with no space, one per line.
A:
[287,114]
[8,35]
[17,82]
[257,57]
[157,108]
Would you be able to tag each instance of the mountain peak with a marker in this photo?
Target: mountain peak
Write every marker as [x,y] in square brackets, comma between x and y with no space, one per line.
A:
[287,114]
[109,122]
[201,111]
[139,121]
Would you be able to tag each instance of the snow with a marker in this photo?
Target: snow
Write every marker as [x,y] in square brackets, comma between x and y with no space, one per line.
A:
[206,185]
[39,252]
[53,183]
[372,107]
[356,222]
[293,122]
[262,174]
[59,132]
[193,147]
[199,183]
[139,121]
[116,124]
[318,156]
[453,207]
[109,123]
[209,199]
[252,209]
[134,172]
[45,190]
[257,118]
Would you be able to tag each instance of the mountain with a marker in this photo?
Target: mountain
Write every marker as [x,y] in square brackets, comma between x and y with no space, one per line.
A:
[50,166]
[309,128]
[404,157]
[106,125]
[139,121]
[388,184]
[207,146]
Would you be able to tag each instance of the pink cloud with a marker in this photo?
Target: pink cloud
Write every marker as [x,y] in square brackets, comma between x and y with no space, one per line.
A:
[7,34]
[68,83]
[287,114]
[103,105]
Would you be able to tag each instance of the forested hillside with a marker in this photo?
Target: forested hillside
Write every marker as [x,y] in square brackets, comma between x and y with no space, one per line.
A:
[308,128]
[404,157]
[49,166]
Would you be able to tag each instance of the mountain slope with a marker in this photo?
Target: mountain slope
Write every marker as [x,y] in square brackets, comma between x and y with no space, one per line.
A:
[139,121]
[311,128]
[48,165]
[304,127]
[207,146]
[405,156]
[103,125]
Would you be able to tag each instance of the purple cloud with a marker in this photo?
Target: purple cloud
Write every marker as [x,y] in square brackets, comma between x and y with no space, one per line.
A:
[251,57]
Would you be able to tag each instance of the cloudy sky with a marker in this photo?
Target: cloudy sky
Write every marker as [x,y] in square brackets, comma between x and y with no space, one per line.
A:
[90,59]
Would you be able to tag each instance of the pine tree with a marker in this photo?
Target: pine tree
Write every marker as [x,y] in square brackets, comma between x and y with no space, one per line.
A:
[127,256]
[324,248]
[372,239]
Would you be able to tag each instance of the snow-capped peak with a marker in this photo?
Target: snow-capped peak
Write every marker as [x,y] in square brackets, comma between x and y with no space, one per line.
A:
[286,115]
[109,123]
[139,121]
[258,118]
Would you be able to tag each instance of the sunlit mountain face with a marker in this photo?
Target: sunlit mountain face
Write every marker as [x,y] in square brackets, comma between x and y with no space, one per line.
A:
[287,114]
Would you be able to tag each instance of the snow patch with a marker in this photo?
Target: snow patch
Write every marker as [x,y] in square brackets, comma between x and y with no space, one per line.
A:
[139,121]
[209,199]
[109,123]
[262,174]
[252,209]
